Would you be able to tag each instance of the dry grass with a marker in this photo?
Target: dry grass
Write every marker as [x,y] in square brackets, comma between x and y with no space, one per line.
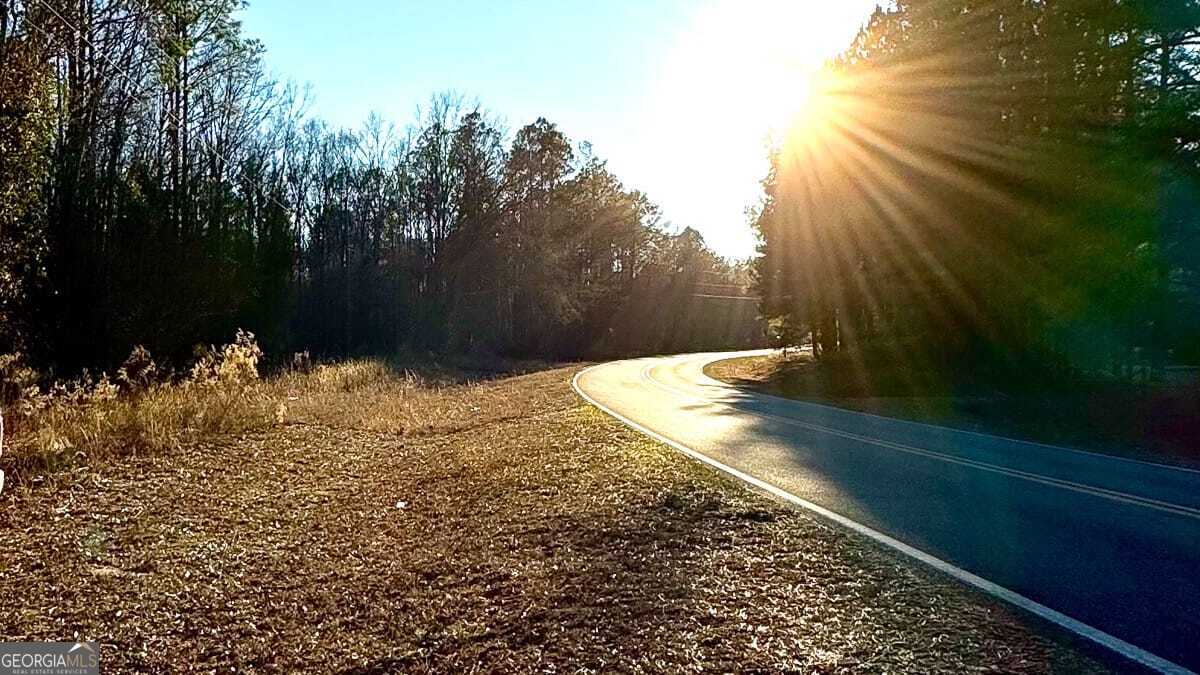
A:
[62,435]
[405,523]
[374,396]
[89,422]
[750,369]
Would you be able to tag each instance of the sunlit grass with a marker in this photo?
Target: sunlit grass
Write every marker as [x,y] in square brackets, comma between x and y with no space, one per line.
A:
[375,395]
[87,422]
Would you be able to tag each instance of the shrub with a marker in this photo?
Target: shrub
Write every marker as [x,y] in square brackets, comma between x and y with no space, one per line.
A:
[139,371]
[302,361]
[89,420]
[16,377]
[348,376]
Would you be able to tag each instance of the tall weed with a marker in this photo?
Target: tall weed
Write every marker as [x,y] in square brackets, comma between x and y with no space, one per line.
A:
[89,420]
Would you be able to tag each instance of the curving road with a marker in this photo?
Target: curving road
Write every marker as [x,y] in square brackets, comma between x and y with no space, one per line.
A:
[1108,548]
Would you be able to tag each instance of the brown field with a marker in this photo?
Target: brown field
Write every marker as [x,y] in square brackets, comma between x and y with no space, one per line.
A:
[370,519]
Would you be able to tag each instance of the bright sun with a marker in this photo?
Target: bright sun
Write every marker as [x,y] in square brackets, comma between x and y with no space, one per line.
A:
[732,81]
[753,62]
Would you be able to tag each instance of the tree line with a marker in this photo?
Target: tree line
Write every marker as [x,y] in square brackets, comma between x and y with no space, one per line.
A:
[996,188]
[159,188]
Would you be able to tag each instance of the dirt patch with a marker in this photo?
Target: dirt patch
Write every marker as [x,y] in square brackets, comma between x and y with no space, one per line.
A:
[514,529]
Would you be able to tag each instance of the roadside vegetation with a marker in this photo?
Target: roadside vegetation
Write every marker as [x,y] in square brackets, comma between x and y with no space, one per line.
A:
[143,409]
[998,199]
[91,419]
[398,518]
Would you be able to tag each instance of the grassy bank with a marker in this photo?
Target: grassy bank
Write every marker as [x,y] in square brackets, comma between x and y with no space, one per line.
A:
[1152,422]
[408,520]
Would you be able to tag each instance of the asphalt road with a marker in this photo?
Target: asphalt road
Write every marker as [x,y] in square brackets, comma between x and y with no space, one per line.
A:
[1112,543]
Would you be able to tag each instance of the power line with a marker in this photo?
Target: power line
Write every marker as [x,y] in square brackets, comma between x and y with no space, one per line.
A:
[725,297]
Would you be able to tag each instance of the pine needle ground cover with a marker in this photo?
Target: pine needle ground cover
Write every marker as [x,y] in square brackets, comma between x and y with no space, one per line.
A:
[396,521]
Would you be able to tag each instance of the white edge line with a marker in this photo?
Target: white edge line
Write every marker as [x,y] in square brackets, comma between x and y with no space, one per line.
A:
[1012,472]
[1115,644]
[927,425]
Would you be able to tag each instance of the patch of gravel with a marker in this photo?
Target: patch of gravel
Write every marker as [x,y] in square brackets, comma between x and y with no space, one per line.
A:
[552,540]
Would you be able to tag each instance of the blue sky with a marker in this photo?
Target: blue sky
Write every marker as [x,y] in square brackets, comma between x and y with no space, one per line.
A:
[678,96]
